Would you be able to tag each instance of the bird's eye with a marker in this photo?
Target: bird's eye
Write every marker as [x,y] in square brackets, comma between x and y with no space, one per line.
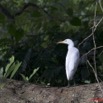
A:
[66,40]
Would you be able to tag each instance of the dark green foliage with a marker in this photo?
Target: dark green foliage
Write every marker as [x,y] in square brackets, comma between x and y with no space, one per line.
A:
[75,21]
[30,30]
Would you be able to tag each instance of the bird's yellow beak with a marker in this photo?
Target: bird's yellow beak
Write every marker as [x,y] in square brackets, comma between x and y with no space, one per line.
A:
[60,42]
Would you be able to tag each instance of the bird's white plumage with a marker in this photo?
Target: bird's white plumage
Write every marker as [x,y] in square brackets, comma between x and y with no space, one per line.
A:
[72,59]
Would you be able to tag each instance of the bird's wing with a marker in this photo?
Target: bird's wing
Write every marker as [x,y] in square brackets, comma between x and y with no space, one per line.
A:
[72,61]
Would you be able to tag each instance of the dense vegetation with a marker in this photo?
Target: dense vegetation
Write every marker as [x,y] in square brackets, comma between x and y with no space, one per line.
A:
[30,30]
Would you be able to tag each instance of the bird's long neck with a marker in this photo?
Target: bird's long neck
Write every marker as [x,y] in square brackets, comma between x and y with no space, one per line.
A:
[71,44]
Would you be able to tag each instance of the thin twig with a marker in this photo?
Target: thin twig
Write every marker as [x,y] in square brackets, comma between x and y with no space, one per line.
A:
[92,50]
[95,27]
[85,39]
[100,4]
[93,31]
[101,53]
[99,22]
[95,76]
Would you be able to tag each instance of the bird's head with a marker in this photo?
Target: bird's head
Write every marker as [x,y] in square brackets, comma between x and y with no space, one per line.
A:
[66,41]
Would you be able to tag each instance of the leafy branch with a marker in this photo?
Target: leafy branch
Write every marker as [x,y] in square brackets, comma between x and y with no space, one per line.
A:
[8,14]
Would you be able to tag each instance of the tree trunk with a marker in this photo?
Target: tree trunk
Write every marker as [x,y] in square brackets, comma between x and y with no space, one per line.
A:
[20,92]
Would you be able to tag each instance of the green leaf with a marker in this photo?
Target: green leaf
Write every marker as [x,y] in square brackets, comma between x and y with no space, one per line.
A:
[1,72]
[24,77]
[70,11]
[36,14]
[75,21]
[2,18]
[34,72]
[44,45]
[19,34]
[27,79]
[11,60]
[46,37]
[16,67]
[12,29]
[10,69]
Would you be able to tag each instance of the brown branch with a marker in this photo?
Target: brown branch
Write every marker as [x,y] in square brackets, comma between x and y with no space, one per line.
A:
[25,6]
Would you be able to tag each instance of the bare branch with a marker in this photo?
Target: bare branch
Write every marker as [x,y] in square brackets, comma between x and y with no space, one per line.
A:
[95,76]
[100,4]
[93,31]
[93,50]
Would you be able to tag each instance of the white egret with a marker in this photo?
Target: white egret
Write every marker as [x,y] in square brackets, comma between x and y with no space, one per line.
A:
[72,59]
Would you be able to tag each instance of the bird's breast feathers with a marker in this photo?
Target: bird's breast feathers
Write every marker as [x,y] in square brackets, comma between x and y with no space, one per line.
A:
[73,53]
[72,58]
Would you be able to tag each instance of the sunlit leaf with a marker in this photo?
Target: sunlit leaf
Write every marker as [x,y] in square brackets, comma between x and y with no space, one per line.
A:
[24,77]
[34,72]
[1,72]
[46,37]
[16,67]
[10,69]
[44,45]
[11,60]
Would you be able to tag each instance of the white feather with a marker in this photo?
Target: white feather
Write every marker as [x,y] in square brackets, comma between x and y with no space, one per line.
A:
[72,59]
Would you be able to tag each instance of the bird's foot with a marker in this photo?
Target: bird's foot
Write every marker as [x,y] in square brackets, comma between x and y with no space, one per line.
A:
[69,85]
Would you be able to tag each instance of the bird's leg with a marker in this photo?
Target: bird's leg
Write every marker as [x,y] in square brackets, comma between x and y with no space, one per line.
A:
[74,83]
[69,83]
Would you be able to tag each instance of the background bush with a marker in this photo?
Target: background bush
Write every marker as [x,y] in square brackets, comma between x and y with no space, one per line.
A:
[30,30]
